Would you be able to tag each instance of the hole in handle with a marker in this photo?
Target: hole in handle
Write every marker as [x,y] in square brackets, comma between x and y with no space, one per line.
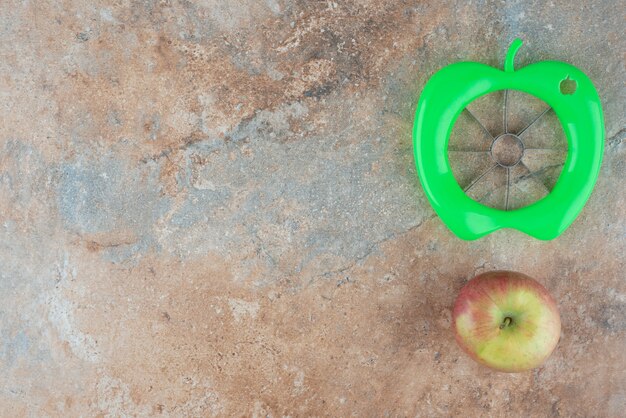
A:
[568,86]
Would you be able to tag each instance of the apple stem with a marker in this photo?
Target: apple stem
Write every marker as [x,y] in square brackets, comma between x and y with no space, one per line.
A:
[510,55]
[507,321]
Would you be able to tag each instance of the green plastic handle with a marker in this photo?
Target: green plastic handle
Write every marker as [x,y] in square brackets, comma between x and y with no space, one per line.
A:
[452,88]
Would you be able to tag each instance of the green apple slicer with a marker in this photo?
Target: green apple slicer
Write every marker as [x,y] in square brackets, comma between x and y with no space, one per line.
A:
[505,173]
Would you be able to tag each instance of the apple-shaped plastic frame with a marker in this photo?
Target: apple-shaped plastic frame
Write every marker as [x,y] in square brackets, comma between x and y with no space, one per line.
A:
[452,88]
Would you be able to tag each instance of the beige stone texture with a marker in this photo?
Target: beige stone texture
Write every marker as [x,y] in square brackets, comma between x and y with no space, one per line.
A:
[210,208]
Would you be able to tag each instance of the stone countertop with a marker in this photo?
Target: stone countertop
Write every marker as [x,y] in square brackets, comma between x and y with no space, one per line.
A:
[210,208]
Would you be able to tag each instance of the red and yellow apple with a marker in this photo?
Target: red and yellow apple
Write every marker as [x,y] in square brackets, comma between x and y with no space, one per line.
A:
[506,321]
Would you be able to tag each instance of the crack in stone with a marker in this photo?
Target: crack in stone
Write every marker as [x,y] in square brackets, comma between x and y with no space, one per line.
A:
[615,140]
[261,250]
[537,173]
[187,142]
[369,251]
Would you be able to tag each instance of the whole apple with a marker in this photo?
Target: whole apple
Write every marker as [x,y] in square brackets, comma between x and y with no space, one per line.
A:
[506,321]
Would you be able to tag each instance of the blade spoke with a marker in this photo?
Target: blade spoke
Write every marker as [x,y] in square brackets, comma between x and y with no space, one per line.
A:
[508,188]
[533,122]
[480,177]
[546,149]
[480,123]
[468,150]
[506,111]
[525,166]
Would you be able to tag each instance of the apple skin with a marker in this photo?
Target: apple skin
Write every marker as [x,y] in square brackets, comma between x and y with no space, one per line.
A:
[484,332]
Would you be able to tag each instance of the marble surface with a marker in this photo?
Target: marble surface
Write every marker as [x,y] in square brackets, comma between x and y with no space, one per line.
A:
[210,208]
